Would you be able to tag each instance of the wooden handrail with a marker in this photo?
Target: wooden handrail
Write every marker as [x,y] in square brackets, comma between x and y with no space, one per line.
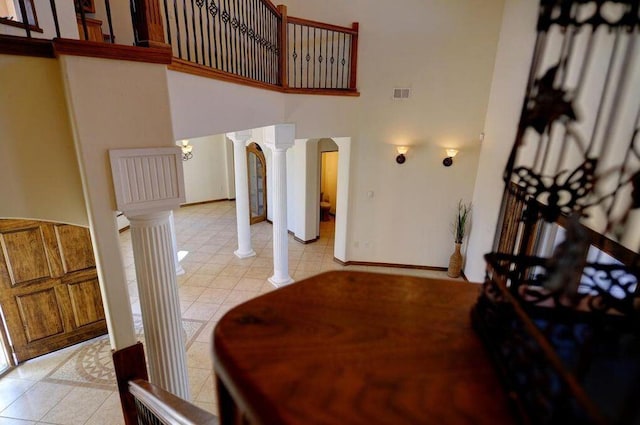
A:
[283,43]
[167,407]
[322,25]
[271,6]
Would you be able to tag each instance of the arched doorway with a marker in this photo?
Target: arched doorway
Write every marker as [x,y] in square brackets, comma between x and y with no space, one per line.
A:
[257,169]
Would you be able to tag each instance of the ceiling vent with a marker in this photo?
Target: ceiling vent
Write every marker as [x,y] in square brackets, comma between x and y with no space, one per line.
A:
[400,93]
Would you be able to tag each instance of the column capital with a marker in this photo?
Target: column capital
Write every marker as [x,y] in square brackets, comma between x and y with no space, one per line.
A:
[240,136]
[280,137]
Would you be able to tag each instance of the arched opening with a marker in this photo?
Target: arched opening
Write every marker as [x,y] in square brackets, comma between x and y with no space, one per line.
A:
[257,170]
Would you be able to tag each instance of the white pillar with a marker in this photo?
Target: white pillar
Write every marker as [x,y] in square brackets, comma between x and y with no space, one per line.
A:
[279,139]
[155,270]
[174,243]
[240,139]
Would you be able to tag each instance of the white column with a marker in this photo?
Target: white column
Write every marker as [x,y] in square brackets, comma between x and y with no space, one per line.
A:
[174,243]
[155,270]
[240,139]
[279,139]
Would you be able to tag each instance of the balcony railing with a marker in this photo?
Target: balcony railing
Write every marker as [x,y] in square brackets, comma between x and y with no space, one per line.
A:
[251,41]
[256,40]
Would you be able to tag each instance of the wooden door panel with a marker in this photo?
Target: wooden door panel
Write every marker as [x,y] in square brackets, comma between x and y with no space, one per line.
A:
[25,255]
[75,247]
[40,314]
[49,289]
[84,296]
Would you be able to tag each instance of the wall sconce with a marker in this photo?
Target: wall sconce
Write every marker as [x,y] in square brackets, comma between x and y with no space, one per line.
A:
[451,153]
[400,159]
[186,150]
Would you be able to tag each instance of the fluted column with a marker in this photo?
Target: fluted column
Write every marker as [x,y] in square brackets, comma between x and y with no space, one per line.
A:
[240,139]
[174,242]
[154,256]
[279,139]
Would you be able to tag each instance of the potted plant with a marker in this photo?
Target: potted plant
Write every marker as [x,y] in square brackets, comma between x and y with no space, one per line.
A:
[459,227]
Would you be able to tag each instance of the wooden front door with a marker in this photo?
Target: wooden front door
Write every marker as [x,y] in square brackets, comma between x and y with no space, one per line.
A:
[49,288]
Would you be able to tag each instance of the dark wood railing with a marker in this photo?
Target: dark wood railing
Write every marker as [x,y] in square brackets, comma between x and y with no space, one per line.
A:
[144,403]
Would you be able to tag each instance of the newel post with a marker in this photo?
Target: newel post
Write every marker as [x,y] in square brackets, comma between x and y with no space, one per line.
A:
[353,83]
[283,46]
[147,22]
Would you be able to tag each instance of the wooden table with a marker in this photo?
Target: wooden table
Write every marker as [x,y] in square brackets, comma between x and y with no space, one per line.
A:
[357,348]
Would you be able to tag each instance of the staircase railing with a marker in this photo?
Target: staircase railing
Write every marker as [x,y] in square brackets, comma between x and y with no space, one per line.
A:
[249,40]
[256,40]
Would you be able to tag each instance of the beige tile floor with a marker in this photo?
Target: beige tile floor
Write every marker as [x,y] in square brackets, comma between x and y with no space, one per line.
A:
[214,282]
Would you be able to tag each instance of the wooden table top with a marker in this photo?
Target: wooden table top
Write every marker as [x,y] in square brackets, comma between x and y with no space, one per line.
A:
[359,348]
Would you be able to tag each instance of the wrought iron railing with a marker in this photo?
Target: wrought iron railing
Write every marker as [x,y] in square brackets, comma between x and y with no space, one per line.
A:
[320,55]
[235,36]
[250,39]
[258,41]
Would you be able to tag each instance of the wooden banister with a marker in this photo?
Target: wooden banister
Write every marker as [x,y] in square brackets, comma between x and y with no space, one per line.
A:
[321,25]
[283,43]
[354,57]
[148,24]
[154,401]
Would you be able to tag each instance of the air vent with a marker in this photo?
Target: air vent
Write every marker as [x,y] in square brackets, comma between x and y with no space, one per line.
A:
[400,93]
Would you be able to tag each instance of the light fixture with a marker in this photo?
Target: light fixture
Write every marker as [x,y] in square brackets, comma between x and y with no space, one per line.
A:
[400,159]
[186,150]
[451,153]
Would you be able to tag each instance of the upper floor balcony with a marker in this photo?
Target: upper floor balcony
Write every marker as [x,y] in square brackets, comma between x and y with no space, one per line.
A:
[250,42]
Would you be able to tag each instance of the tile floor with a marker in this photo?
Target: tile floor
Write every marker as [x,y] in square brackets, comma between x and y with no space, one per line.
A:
[214,282]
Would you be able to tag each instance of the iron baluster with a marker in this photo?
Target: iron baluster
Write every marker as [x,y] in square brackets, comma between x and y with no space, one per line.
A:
[27,24]
[107,7]
[244,28]
[178,37]
[235,39]
[225,18]
[83,18]
[326,62]
[343,61]
[206,9]
[337,84]
[186,29]
[295,55]
[333,33]
[195,31]
[55,17]
[320,61]
[220,43]
[167,22]
[200,3]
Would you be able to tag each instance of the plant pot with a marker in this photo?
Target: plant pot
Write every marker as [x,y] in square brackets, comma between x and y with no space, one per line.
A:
[455,262]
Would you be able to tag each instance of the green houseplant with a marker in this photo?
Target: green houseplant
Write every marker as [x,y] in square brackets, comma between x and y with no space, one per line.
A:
[459,227]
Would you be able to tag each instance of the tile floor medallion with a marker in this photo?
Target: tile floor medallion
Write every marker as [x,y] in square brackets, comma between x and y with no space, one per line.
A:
[91,364]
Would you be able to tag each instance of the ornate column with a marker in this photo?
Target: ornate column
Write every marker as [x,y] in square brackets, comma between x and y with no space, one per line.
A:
[148,184]
[172,224]
[158,290]
[240,139]
[279,138]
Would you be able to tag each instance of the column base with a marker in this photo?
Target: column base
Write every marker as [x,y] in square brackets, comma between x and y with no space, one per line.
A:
[248,254]
[280,282]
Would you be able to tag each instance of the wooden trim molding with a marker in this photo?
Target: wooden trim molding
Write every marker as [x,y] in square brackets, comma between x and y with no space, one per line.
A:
[182,65]
[212,201]
[322,25]
[12,45]
[18,24]
[297,239]
[65,46]
[395,265]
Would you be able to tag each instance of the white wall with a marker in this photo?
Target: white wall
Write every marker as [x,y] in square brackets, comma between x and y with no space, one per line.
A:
[38,163]
[205,175]
[202,106]
[113,104]
[444,51]
[513,59]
